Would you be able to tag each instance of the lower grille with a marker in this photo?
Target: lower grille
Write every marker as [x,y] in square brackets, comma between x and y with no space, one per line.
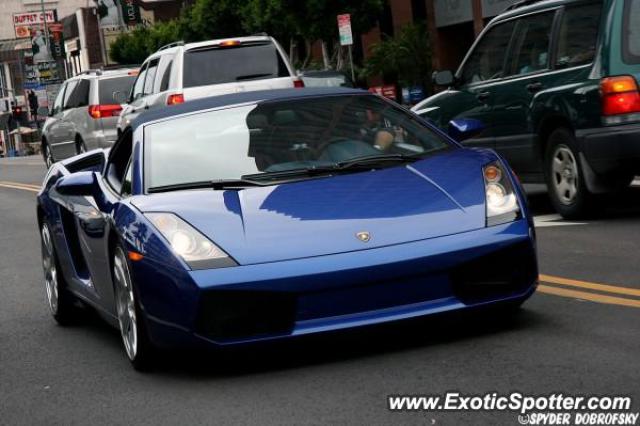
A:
[234,315]
[503,273]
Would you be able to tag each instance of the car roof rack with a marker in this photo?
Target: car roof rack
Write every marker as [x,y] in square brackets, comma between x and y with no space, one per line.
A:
[260,34]
[170,45]
[95,71]
[115,67]
[519,4]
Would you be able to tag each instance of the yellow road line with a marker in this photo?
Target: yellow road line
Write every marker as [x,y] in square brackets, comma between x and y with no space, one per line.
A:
[29,185]
[593,297]
[592,286]
[15,185]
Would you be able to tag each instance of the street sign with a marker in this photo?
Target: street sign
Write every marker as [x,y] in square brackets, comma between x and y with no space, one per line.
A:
[56,41]
[37,73]
[23,22]
[130,12]
[344,28]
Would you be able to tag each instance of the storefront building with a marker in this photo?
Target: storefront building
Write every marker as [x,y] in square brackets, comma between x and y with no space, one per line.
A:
[452,25]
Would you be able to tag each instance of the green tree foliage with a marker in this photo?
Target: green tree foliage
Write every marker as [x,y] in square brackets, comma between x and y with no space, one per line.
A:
[135,46]
[407,55]
[287,20]
[309,19]
[270,16]
[210,19]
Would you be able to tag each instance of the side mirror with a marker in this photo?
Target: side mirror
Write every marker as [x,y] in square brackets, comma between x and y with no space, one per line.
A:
[443,78]
[120,97]
[78,184]
[462,129]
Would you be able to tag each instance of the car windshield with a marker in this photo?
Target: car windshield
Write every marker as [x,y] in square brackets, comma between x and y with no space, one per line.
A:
[281,136]
[245,62]
[109,86]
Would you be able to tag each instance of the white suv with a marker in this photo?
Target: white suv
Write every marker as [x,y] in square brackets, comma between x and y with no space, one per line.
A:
[181,72]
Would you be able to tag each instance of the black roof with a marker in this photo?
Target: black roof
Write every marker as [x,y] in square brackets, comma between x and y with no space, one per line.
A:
[240,98]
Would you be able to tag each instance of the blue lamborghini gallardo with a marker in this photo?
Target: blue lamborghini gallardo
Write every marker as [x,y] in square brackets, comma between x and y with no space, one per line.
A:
[269,215]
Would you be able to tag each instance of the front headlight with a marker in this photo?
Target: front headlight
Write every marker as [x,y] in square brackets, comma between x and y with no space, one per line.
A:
[501,200]
[193,247]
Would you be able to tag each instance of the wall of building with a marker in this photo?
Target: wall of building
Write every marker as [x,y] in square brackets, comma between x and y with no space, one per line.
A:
[452,26]
[9,7]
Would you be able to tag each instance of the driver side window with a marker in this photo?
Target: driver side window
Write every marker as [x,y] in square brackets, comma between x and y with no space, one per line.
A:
[57,105]
[126,183]
[487,61]
[138,87]
[117,169]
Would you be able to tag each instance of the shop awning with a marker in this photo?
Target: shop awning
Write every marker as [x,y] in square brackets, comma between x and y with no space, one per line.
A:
[9,49]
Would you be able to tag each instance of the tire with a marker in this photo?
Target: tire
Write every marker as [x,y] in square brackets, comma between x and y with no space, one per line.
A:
[47,155]
[135,338]
[62,304]
[81,148]
[565,178]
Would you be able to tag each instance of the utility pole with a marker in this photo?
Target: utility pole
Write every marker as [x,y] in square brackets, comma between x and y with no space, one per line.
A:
[46,28]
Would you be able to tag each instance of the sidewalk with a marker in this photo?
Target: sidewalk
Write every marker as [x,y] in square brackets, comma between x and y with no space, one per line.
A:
[31,160]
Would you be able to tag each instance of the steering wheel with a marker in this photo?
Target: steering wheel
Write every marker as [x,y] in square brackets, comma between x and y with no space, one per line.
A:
[351,148]
[325,145]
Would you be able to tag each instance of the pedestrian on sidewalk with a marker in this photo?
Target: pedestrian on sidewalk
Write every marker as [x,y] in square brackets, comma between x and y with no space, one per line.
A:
[33,105]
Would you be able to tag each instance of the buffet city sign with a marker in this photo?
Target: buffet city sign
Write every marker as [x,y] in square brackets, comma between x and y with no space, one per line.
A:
[22,22]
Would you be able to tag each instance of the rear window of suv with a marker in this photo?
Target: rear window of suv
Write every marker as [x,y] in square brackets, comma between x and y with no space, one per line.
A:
[631,32]
[108,86]
[246,62]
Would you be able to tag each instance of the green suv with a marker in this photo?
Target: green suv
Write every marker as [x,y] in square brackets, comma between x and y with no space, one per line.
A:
[555,84]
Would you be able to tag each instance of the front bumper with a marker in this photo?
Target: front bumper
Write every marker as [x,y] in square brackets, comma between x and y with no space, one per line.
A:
[612,149]
[292,298]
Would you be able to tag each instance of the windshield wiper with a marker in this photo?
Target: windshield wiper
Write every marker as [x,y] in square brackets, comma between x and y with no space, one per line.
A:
[342,166]
[292,173]
[372,160]
[213,184]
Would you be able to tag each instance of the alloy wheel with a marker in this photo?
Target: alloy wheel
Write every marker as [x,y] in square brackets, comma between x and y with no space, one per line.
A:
[80,147]
[50,270]
[125,305]
[564,174]
[48,156]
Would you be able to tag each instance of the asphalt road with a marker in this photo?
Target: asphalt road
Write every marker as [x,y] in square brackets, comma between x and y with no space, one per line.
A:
[573,336]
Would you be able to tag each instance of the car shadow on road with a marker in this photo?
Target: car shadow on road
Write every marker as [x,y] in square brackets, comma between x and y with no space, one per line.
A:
[343,346]
[624,204]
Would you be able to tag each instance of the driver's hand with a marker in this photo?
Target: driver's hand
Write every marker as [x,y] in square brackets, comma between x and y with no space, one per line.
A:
[383,140]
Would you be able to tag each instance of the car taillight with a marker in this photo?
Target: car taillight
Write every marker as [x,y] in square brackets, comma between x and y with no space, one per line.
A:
[102,111]
[298,84]
[175,99]
[620,99]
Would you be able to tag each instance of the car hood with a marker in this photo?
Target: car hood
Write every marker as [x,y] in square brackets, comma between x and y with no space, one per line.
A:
[438,196]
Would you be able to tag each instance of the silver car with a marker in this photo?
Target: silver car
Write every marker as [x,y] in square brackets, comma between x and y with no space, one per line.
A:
[85,113]
[181,72]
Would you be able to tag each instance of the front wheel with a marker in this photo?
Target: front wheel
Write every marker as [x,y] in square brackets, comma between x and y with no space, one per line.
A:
[135,339]
[565,178]
[61,302]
